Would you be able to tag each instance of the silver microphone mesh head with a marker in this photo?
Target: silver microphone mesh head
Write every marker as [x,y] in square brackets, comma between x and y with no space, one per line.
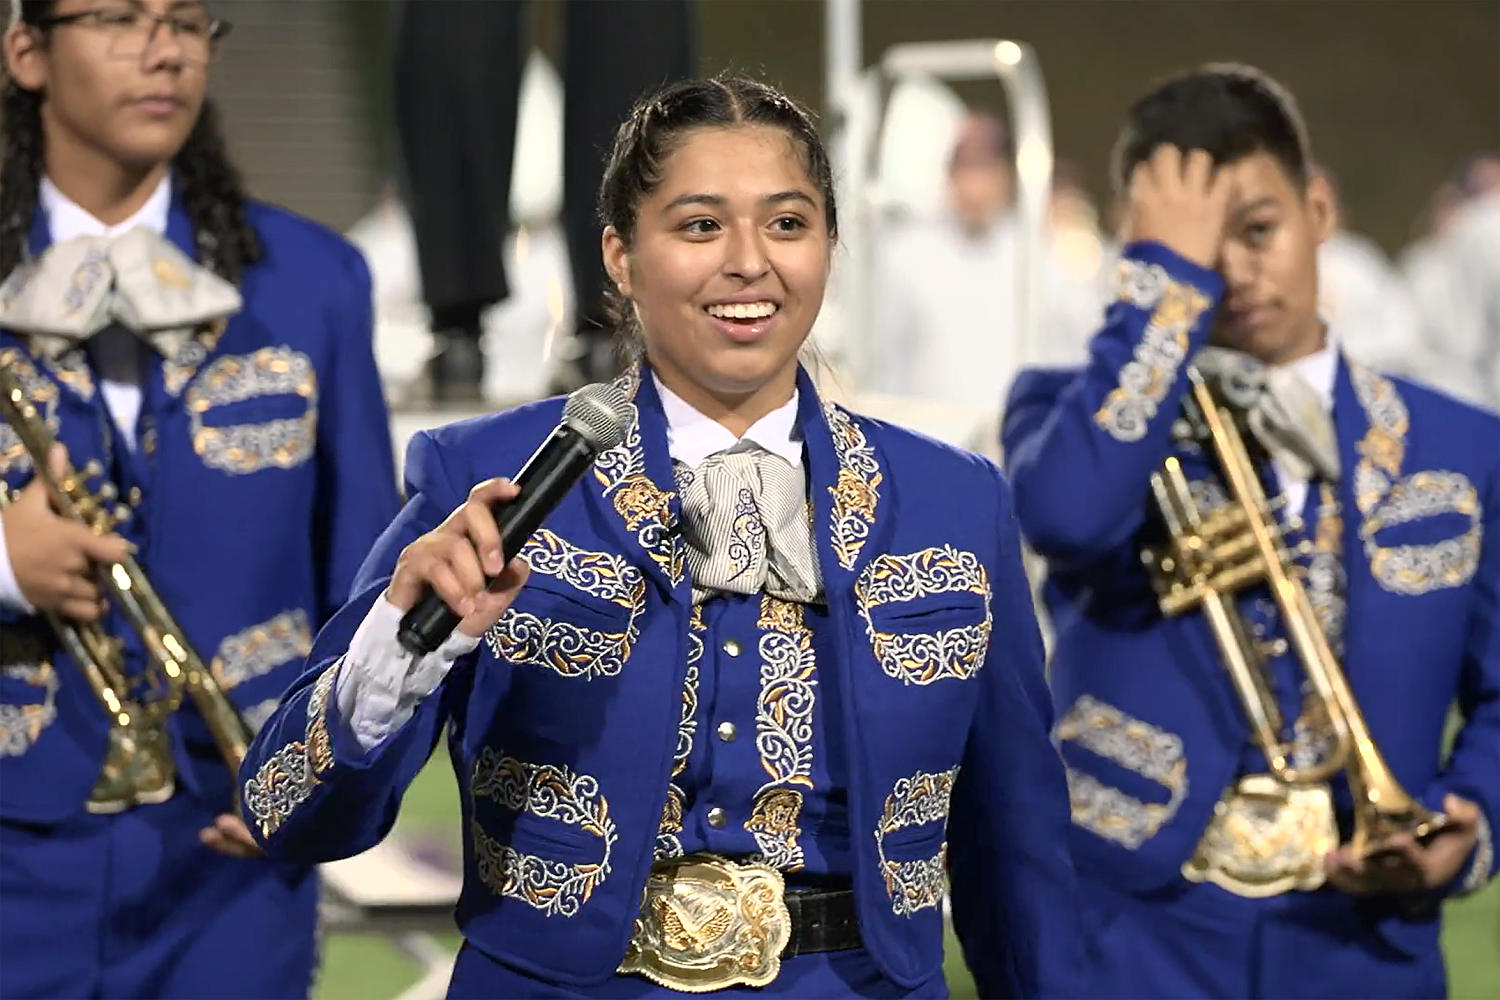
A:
[600,412]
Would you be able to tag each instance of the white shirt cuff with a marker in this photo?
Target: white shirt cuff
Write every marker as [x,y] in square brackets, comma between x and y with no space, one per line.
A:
[380,683]
[11,598]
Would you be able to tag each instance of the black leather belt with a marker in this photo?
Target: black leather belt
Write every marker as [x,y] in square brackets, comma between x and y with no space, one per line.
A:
[822,920]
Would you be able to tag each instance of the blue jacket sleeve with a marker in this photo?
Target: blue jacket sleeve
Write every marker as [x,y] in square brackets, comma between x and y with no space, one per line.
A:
[1473,767]
[1080,454]
[309,792]
[356,495]
[1013,888]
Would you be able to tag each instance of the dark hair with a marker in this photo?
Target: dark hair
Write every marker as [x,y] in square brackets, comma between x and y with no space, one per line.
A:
[1229,110]
[212,192]
[654,129]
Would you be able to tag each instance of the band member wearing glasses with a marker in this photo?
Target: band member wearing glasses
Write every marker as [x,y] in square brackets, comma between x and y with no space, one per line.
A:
[1202,873]
[212,357]
[767,674]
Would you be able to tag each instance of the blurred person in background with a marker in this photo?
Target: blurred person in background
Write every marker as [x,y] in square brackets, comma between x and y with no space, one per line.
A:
[210,357]
[672,746]
[1454,274]
[944,313]
[458,74]
[1202,872]
[1362,294]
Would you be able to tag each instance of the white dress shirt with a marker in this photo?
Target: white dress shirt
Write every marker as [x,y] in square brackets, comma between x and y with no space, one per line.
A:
[381,683]
[1320,371]
[116,353]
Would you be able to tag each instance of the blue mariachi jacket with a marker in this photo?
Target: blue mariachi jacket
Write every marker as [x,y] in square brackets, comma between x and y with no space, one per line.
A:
[1152,731]
[265,473]
[564,742]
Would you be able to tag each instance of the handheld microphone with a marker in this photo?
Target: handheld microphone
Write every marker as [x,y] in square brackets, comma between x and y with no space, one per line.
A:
[594,419]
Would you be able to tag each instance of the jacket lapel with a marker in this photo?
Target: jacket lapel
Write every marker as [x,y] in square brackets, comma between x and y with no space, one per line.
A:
[639,513]
[848,485]
[177,371]
[1370,457]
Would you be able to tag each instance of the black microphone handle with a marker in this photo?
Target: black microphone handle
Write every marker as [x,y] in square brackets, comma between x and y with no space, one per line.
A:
[544,480]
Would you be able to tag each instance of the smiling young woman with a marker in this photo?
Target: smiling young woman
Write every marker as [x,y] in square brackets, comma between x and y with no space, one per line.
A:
[672,716]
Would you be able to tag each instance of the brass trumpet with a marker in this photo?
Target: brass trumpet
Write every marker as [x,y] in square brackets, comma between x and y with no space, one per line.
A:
[138,765]
[1208,557]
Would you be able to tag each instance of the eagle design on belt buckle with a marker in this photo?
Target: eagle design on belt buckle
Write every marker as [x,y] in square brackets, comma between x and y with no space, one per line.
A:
[707,923]
[1266,838]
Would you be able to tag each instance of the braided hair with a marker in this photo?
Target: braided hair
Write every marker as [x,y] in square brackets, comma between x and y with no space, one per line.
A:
[211,189]
[655,128]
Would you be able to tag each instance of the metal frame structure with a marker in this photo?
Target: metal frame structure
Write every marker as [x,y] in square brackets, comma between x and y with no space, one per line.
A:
[1016,66]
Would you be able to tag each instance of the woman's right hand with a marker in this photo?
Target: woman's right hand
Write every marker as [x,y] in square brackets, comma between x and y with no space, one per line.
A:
[457,556]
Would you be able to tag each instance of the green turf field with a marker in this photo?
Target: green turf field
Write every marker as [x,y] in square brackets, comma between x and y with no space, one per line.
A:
[360,968]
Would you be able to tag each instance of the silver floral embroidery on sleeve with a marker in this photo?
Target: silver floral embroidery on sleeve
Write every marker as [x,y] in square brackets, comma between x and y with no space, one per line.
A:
[288,777]
[1146,379]
[1484,859]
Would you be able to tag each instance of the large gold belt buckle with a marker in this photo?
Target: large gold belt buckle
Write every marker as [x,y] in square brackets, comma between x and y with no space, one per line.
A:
[1266,838]
[708,923]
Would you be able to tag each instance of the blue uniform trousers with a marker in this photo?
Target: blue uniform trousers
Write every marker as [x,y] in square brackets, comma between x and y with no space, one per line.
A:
[1191,941]
[132,905]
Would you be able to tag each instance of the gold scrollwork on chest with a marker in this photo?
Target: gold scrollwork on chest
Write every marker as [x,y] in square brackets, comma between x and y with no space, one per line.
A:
[856,492]
[243,448]
[915,801]
[926,657]
[1418,569]
[1386,499]
[1137,746]
[21,725]
[43,394]
[1147,377]
[645,507]
[565,647]
[554,792]
[259,649]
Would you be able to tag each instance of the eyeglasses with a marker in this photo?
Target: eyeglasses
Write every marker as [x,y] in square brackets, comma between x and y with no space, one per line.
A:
[130,30]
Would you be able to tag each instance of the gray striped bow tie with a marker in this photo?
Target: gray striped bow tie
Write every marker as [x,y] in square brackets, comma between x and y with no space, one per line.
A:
[744,518]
